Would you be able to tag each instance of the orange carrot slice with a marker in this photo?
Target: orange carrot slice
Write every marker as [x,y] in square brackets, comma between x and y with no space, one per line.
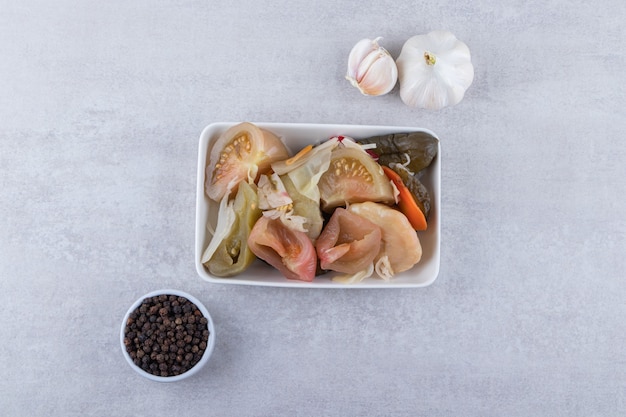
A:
[406,201]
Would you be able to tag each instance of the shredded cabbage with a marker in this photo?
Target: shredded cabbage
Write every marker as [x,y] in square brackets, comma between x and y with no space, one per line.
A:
[272,193]
[383,268]
[396,192]
[358,277]
[283,167]
[289,219]
[225,221]
[307,172]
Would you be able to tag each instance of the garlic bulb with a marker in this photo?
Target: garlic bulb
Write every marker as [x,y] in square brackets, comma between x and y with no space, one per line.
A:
[371,68]
[434,70]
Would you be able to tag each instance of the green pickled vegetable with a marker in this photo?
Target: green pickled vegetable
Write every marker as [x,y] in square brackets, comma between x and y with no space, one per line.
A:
[233,255]
[417,189]
[415,150]
[305,207]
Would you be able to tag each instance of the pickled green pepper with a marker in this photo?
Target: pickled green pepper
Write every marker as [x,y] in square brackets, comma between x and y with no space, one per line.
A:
[233,255]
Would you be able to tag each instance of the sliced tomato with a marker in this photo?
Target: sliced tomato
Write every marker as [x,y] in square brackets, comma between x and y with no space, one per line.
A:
[406,202]
[241,153]
[348,243]
[289,251]
[400,248]
[353,177]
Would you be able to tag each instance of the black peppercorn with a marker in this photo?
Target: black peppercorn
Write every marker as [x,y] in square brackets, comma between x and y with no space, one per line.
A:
[166,335]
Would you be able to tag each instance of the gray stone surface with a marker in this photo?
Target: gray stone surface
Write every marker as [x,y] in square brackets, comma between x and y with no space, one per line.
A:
[101,107]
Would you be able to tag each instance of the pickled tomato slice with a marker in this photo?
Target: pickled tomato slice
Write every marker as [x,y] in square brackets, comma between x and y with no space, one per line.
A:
[241,153]
[348,243]
[290,251]
[400,248]
[353,177]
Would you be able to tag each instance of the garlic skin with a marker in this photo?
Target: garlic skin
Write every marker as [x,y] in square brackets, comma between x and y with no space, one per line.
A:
[434,70]
[371,68]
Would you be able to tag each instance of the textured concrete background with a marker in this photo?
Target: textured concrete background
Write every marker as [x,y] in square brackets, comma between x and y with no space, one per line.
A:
[101,107]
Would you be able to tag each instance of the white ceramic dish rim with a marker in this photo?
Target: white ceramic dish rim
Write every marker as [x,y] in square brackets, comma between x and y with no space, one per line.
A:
[210,343]
[358,131]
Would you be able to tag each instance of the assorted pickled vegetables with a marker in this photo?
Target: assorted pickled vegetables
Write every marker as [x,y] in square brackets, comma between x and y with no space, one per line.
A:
[344,205]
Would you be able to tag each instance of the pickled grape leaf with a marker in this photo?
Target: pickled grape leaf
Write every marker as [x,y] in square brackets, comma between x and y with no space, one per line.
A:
[415,150]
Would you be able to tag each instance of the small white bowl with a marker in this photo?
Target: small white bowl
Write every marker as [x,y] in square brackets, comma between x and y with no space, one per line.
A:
[205,356]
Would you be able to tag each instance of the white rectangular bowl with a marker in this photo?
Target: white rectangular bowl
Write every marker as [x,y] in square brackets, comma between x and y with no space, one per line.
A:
[296,136]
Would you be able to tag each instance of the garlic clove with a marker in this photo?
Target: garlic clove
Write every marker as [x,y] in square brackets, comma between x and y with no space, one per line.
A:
[371,68]
[358,54]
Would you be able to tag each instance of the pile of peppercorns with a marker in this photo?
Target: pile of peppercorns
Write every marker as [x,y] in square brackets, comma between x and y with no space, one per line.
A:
[166,335]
